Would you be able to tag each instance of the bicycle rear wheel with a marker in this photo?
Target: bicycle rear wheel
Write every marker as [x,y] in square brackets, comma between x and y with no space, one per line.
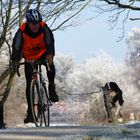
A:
[36,103]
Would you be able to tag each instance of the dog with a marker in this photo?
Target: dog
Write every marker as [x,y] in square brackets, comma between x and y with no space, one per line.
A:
[113,100]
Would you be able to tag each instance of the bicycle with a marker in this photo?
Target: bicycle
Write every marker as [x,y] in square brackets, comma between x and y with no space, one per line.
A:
[40,102]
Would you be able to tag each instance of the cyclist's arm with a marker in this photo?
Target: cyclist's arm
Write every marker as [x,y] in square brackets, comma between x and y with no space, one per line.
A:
[17,46]
[49,40]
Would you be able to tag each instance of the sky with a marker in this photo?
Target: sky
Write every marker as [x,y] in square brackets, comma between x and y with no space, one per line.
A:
[89,38]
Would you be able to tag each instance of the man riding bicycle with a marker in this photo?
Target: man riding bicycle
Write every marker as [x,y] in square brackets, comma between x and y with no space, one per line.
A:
[34,41]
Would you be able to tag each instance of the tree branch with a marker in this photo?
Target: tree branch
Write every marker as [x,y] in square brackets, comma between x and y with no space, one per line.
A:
[120,5]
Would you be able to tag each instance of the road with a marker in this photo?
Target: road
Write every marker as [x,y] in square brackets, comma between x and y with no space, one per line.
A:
[104,132]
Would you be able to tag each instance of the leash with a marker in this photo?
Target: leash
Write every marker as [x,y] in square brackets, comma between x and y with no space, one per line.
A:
[68,93]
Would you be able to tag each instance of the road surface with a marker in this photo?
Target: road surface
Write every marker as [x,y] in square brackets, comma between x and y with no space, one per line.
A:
[100,132]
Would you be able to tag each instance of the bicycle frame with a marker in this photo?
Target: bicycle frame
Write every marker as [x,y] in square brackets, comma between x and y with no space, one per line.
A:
[39,84]
[43,96]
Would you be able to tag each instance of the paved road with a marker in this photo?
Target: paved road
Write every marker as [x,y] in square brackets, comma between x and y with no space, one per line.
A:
[123,132]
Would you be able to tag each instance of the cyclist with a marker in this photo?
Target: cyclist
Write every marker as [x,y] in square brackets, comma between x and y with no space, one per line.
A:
[113,100]
[34,41]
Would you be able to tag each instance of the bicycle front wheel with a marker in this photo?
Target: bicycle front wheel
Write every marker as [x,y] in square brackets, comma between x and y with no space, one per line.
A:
[46,105]
[36,103]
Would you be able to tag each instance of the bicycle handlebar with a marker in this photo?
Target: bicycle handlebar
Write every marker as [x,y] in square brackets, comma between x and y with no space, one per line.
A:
[39,62]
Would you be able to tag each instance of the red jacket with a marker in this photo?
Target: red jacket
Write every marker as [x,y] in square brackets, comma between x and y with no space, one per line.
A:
[32,45]
[33,48]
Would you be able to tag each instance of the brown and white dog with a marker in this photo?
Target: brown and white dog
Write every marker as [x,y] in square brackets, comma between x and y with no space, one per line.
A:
[113,100]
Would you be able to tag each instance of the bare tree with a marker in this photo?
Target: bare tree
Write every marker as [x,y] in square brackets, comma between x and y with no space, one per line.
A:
[118,11]
[5,18]
[117,7]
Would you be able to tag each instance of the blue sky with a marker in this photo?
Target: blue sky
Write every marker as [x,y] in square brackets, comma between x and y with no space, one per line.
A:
[89,38]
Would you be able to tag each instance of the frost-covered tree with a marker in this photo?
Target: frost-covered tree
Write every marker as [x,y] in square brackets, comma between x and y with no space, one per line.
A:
[133,54]
[93,73]
[87,78]
[64,65]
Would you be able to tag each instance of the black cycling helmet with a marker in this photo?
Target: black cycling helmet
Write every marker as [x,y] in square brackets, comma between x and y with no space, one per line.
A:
[33,16]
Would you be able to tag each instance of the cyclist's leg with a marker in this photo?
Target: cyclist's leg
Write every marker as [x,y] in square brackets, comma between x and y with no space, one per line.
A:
[28,76]
[51,77]
[51,73]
